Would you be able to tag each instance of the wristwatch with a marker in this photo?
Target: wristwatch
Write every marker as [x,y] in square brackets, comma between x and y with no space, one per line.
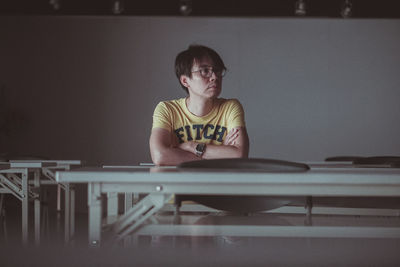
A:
[200,148]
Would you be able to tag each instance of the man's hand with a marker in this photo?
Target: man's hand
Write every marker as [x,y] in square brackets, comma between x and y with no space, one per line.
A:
[230,140]
[231,137]
[164,151]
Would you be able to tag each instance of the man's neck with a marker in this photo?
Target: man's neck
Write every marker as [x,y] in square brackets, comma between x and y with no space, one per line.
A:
[199,106]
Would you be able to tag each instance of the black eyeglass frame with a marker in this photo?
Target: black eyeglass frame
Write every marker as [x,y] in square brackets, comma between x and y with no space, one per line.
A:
[210,70]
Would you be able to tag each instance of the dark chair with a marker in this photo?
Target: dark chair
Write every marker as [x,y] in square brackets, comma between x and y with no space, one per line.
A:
[391,161]
[384,161]
[246,203]
[362,202]
[343,158]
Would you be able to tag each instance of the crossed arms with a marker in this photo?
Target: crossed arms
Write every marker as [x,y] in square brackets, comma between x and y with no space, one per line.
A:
[165,152]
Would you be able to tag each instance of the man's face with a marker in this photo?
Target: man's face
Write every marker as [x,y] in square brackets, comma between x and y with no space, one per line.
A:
[205,82]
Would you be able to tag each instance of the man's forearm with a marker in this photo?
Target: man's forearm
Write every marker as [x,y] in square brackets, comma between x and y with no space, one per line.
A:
[173,156]
[216,151]
[224,151]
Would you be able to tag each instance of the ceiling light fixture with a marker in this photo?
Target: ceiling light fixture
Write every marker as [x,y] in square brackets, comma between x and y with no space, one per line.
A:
[118,7]
[185,7]
[56,4]
[347,9]
[300,8]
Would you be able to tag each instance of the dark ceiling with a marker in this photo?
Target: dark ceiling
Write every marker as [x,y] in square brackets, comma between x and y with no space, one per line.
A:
[214,8]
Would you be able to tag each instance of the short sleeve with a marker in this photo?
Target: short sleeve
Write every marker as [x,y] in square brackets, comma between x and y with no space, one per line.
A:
[161,117]
[236,114]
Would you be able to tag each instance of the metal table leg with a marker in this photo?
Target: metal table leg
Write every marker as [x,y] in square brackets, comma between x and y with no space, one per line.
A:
[36,184]
[67,213]
[128,202]
[25,204]
[95,212]
[142,211]
[112,207]
[58,198]
[128,205]
[72,213]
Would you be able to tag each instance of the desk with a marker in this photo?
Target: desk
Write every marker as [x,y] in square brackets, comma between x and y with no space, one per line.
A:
[161,184]
[15,180]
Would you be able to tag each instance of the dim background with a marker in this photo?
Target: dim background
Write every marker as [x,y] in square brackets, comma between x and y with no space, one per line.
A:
[85,87]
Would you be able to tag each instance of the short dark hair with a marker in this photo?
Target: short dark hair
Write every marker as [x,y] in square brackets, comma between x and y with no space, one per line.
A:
[185,59]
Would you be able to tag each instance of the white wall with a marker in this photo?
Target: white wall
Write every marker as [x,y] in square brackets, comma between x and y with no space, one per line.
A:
[85,87]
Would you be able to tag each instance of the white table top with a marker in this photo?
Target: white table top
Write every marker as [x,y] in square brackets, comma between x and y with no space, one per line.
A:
[57,162]
[31,164]
[141,174]
[332,181]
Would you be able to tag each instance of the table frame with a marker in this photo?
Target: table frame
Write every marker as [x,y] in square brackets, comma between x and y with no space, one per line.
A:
[160,184]
[14,179]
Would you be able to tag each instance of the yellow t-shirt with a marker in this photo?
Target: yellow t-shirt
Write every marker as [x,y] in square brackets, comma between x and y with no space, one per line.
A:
[212,128]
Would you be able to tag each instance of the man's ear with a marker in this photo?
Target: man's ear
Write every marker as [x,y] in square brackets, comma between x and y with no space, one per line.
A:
[183,79]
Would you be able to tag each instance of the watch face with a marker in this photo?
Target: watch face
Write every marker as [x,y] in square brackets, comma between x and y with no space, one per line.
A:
[200,147]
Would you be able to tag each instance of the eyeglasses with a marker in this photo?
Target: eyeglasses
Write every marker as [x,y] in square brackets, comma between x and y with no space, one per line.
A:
[206,72]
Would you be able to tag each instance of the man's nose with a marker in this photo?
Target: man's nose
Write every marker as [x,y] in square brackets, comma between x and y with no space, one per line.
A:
[213,76]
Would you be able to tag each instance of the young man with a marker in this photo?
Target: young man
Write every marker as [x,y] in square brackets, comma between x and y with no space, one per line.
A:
[200,126]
